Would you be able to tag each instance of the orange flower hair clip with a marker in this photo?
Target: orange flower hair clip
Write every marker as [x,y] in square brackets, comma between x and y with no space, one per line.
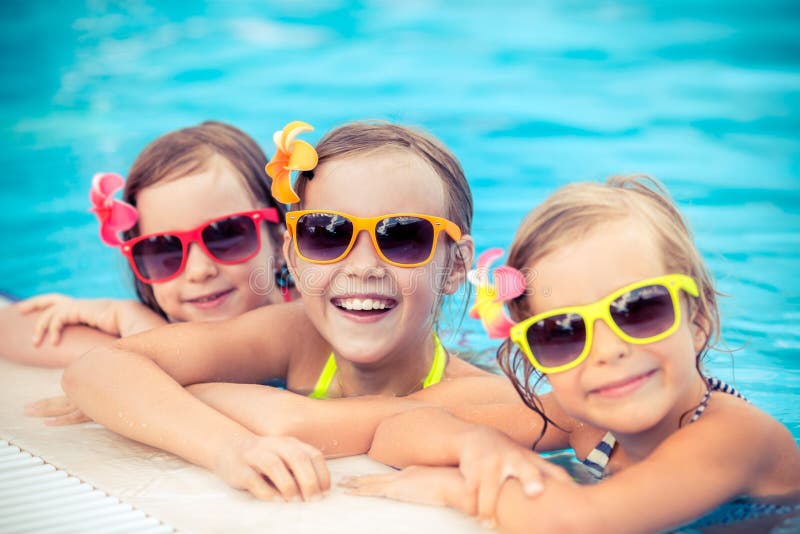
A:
[291,155]
[508,283]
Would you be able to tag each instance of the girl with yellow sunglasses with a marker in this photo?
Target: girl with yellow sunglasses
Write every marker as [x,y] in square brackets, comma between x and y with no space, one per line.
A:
[616,313]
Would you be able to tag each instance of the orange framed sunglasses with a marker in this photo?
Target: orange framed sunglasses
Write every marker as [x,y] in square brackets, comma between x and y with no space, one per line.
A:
[400,239]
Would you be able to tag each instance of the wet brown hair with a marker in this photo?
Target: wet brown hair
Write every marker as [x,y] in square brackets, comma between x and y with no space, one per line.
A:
[570,214]
[189,150]
[363,137]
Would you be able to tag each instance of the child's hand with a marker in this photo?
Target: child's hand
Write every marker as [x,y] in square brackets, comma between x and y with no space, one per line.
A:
[435,486]
[60,410]
[60,311]
[489,457]
[270,465]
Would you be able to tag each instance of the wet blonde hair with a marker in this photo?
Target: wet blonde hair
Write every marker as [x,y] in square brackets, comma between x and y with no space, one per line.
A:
[577,209]
[189,150]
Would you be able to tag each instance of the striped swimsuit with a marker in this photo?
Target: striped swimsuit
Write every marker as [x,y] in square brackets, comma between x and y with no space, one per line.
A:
[597,460]
[738,509]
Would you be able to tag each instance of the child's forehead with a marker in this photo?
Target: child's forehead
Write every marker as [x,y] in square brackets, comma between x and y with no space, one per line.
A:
[186,201]
[377,182]
[588,268]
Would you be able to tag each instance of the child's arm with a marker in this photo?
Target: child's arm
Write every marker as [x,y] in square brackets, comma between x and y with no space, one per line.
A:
[134,387]
[743,452]
[689,474]
[437,436]
[343,427]
[485,455]
[116,317]
[16,331]
[75,326]
[338,427]
[58,411]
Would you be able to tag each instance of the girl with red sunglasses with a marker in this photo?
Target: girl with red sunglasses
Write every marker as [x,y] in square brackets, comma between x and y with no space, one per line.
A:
[205,246]
[617,319]
[377,237]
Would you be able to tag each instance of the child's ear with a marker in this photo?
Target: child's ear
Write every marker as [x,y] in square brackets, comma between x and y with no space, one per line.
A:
[462,253]
[288,253]
[701,328]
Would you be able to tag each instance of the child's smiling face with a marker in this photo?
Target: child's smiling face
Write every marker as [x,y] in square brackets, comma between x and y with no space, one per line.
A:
[621,387]
[207,290]
[370,184]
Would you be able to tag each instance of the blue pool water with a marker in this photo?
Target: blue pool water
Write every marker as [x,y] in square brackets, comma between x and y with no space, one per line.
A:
[529,95]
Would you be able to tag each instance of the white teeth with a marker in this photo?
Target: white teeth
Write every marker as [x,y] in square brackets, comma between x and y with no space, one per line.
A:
[362,304]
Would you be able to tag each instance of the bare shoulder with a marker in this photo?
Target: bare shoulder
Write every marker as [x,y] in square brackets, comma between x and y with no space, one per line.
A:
[292,335]
[457,368]
[464,383]
[754,438]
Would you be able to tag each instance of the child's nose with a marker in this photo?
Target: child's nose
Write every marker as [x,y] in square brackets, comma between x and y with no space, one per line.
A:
[363,258]
[607,347]
[199,267]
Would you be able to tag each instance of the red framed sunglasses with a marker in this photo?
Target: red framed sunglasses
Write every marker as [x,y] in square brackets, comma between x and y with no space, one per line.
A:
[228,240]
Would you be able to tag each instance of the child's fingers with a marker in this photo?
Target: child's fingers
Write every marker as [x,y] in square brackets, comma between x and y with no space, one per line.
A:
[318,472]
[41,326]
[298,461]
[551,470]
[272,466]
[71,418]
[54,406]
[530,476]
[56,326]
[259,487]
[321,468]
[36,303]
[487,495]
[367,485]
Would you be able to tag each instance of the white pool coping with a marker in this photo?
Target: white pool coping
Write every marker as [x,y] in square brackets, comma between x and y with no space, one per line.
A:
[191,498]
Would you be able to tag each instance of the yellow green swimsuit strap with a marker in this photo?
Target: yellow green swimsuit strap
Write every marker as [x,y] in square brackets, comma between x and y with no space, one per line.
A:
[325,378]
[438,365]
[434,375]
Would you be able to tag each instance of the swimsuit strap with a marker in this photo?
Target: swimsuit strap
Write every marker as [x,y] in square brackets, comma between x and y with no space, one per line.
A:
[325,378]
[597,460]
[434,375]
[438,365]
[714,384]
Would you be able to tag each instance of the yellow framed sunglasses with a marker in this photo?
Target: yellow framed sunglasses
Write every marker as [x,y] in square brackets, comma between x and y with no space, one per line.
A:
[401,239]
[643,312]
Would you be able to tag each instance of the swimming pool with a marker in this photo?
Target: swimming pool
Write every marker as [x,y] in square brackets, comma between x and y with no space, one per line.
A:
[530,95]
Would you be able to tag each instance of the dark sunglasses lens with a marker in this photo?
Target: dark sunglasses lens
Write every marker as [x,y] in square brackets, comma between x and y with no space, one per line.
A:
[644,312]
[323,236]
[405,240]
[158,257]
[231,239]
[557,340]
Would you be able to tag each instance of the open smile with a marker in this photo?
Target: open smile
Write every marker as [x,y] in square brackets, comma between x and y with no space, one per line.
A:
[364,306]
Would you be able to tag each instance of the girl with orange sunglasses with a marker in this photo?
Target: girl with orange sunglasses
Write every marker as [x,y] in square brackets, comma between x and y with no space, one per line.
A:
[377,238]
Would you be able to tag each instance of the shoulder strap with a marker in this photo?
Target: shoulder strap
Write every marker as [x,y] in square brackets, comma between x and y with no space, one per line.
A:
[597,460]
[438,365]
[434,375]
[325,378]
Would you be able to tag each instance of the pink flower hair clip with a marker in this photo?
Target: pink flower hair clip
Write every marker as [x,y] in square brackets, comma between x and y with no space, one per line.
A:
[114,215]
[291,155]
[491,295]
